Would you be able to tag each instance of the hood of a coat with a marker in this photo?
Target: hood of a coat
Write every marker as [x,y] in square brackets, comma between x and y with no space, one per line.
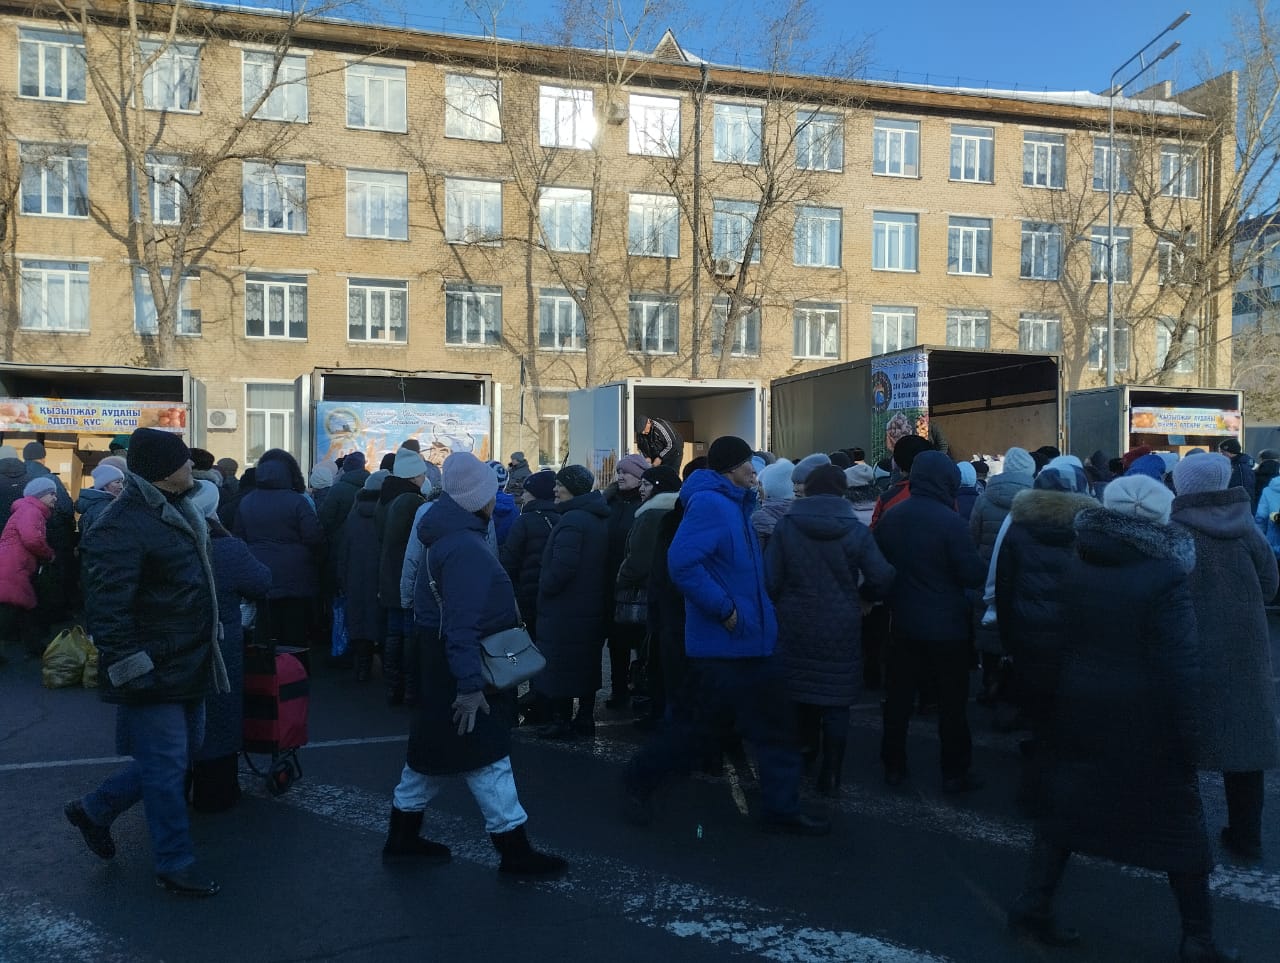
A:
[934,476]
[1002,489]
[824,517]
[1224,514]
[1107,537]
[592,502]
[706,480]
[355,478]
[366,503]
[663,501]
[448,517]
[92,496]
[1048,515]
[12,468]
[393,488]
[33,504]
[274,475]
[1274,485]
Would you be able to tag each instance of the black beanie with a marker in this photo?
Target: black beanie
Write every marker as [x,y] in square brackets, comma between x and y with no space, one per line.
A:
[663,478]
[905,451]
[826,480]
[541,484]
[155,454]
[839,459]
[726,453]
[577,479]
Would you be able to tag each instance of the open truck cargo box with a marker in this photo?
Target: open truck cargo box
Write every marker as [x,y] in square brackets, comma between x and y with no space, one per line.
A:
[1119,418]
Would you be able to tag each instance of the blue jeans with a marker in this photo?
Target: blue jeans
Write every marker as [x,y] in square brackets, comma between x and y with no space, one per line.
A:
[162,739]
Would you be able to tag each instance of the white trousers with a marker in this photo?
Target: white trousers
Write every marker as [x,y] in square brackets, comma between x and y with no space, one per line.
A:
[493,787]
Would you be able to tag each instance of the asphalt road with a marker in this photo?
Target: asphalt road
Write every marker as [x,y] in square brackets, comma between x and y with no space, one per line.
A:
[907,876]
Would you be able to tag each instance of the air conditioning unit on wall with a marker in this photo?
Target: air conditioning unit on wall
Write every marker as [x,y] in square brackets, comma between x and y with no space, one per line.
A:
[220,419]
[726,267]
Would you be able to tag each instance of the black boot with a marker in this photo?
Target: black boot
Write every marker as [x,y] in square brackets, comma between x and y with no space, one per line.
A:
[393,668]
[519,858]
[403,840]
[832,766]
[364,659]
[1191,890]
[1032,913]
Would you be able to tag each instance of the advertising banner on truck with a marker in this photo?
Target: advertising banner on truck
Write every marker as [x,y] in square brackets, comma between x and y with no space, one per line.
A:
[1184,421]
[376,428]
[90,417]
[899,400]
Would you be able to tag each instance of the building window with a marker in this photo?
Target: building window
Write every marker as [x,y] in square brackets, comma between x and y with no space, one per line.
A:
[377,311]
[745,330]
[969,245]
[731,226]
[653,225]
[892,329]
[896,148]
[275,197]
[1179,171]
[1119,167]
[268,416]
[566,117]
[560,323]
[145,318]
[55,296]
[472,315]
[1184,359]
[1176,263]
[55,180]
[378,205]
[284,81]
[653,125]
[969,329]
[172,82]
[1041,251]
[1119,250]
[654,322]
[565,213]
[170,183]
[472,211]
[275,306]
[819,141]
[894,241]
[1044,160]
[817,331]
[737,133]
[1098,346]
[51,65]
[1039,332]
[376,98]
[553,433]
[818,236]
[973,151]
[472,107]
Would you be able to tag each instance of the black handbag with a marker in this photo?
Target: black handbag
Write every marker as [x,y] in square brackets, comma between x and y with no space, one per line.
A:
[631,605]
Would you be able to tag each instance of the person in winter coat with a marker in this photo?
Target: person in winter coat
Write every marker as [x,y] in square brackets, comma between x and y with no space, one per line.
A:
[357,560]
[777,492]
[517,471]
[13,478]
[572,596]
[230,507]
[237,575]
[458,727]
[320,483]
[505,511]
[24,546]
[861,491]
[899,488]
[413,551]
[1121,780]
[398,502]
[967,493]
[820,561]
[660,443]
[108,482]
[1266,514]
[1234,577]
[61,581]
[342,495]
[282,531]
[1241,465]
[928,544]
[805,466]
[623,498]
[1267,470]
[151,607]
[521,554]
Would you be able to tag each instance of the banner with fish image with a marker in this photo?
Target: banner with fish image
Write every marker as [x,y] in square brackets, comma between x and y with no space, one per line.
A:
[376,428]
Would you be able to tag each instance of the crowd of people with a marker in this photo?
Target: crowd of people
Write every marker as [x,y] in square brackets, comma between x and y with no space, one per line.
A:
[1115,608]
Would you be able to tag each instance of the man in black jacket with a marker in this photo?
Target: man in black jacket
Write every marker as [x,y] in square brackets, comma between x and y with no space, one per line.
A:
[1241,466]
[153,614]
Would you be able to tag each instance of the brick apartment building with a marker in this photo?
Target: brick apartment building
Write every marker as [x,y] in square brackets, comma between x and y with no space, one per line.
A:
[415,202]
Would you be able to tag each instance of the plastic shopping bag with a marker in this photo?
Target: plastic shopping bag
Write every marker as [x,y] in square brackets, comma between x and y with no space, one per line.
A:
[66,658]
[339,641]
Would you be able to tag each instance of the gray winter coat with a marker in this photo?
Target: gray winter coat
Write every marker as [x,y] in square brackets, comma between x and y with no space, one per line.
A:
[765,518]
[1235,574]
[991,508]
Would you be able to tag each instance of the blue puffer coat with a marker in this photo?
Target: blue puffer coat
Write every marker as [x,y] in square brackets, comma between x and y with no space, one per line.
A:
[1268,505]
[91,503]
[716,562]
[282,530]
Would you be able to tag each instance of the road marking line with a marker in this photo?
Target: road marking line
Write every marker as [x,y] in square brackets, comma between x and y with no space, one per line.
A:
[30,930]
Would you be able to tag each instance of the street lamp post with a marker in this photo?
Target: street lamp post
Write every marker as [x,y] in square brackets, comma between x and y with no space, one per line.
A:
[1112,90]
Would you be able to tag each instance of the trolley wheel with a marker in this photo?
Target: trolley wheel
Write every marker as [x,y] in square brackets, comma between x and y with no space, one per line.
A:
[280,777]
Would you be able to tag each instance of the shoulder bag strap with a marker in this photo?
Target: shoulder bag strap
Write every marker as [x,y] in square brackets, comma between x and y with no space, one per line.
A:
[435,591]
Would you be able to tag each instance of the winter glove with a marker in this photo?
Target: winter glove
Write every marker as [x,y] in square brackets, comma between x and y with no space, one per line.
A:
[465,708]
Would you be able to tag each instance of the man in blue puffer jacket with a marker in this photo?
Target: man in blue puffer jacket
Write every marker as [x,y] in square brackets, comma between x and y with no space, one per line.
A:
[730,632]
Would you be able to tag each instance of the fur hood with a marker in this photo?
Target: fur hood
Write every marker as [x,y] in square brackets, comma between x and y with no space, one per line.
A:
[661,502]
[1113,538]
[1039,509]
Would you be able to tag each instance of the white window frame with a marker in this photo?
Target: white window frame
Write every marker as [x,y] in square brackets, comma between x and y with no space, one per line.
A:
[732,222]
[478,303]
[170,182]
[969,246]
[63,172]
[472,211]
[287,97]
[818,236]
[653,225]
[819,141]
[292,293]
[274,197]
[373,295]
[559,427]
[145,316]
[1097,360]
[893,327]
[1101,254]
[973,153]
[266,418]
[1041,253]
[172,82]
[566,117]
[561,326]
[57,53]
[893,139]
[377,97]
[1175,264]
[895,241]
[1039,332]
[815,331]
[1186,363]
[653,125]
[374,198]
[1044,160]
[63,284]
[969,328]
[737,133]
[1122,172]
[653,324]
[565,215]
[473,107]
[746,332]
[1179,171]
